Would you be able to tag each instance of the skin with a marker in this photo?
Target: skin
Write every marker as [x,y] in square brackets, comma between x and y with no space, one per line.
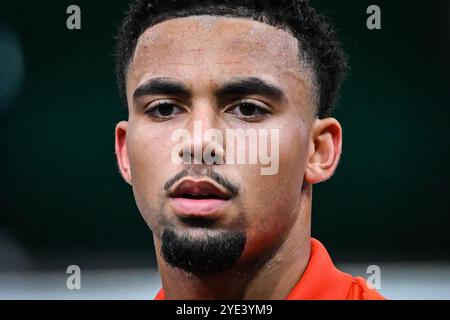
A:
[204,52]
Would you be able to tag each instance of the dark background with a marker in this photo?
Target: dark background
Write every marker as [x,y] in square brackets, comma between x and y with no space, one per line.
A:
[60,191]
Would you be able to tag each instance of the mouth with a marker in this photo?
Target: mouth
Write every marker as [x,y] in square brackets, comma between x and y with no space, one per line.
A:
[199,198]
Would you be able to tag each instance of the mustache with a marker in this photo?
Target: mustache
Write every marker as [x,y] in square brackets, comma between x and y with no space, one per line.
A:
[209,172]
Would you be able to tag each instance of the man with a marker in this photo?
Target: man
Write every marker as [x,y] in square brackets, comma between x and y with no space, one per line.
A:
[222,229]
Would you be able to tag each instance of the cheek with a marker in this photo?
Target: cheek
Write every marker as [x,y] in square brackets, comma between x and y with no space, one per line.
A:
[144,160]
[151,166]
[272,202]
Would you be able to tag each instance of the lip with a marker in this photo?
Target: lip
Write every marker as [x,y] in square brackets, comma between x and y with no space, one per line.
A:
[207,208]
[199,198]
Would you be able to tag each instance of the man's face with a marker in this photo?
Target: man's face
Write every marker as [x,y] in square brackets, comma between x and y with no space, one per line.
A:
[203,55]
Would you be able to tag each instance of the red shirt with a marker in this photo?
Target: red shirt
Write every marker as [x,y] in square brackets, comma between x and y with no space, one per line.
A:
[323,281]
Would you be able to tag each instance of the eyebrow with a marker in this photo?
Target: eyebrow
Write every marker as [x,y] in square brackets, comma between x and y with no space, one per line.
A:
[237,87]
[244,86]
[162,86]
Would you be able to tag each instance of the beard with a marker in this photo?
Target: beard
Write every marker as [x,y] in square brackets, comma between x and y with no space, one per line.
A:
[212,252]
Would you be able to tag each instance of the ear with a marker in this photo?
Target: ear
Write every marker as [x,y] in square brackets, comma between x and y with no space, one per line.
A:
[324,150]
[122,151]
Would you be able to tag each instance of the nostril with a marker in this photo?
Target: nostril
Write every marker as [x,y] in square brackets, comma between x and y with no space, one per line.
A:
[208,156]
[185,154]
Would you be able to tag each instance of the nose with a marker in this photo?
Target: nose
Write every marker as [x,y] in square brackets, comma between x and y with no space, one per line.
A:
[204,144]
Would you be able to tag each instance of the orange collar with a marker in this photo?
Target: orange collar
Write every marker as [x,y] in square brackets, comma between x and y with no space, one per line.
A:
[320,281]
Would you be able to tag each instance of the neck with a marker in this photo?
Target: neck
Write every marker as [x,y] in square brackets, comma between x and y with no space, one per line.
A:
[269,278]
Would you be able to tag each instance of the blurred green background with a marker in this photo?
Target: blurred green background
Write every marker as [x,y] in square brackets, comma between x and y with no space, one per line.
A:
[60,190]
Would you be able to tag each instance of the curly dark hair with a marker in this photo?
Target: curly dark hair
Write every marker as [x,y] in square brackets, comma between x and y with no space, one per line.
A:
[317,38]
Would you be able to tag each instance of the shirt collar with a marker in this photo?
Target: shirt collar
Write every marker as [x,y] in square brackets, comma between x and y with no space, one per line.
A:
[321,280]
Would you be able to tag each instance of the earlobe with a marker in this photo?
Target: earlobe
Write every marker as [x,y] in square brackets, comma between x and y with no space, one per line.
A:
[122,151]
[324,150]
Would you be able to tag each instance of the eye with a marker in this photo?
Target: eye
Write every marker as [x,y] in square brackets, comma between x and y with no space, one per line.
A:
[249,111]
[163,110]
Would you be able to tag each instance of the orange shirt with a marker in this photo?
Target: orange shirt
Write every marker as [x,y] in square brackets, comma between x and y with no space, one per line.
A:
[323,281]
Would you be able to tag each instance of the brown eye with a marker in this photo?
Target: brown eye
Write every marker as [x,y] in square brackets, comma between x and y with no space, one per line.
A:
[249,111]
[164,110]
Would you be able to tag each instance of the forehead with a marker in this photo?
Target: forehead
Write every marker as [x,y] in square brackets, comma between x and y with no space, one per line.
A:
[213,48]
